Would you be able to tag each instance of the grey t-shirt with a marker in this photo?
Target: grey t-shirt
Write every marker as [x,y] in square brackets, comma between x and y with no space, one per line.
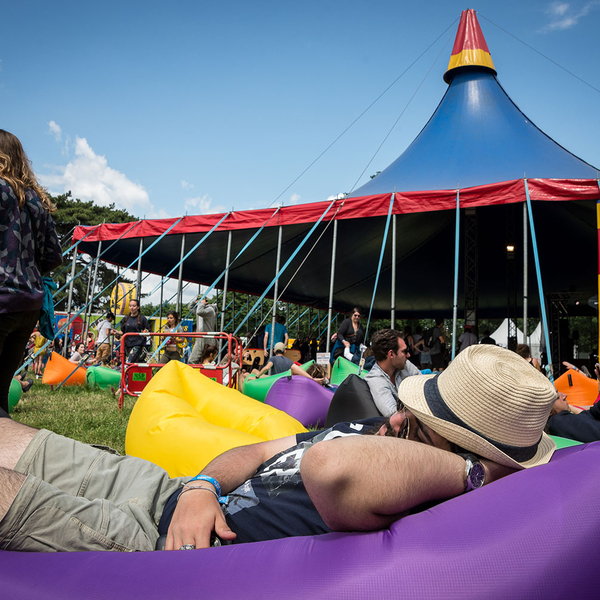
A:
[280,364]
[384,392]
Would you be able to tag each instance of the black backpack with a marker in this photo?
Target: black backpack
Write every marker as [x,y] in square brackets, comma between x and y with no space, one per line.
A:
[352,401]
[428,339]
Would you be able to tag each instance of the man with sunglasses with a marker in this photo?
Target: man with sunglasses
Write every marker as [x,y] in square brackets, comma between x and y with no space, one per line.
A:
[481,419]
[392,367]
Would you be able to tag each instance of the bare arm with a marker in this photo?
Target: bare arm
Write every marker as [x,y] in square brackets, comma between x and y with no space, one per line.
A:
[268,366]
[296,370]
[366,483]
[265,344]
[198,513]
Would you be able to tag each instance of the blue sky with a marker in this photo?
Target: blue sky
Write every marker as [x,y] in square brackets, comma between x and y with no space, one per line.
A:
[167,108]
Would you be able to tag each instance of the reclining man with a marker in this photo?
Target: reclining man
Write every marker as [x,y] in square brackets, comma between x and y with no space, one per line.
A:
[57,494]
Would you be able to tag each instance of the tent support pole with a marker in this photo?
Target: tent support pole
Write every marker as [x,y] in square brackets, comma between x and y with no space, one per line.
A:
[70,300]
[138,291]
[393,294]
[456,249]
[160,314]
[278,260]
[95,275]
[180,275]
[525,274]
[85,314]
[226,282]
[331,280]
[538,272]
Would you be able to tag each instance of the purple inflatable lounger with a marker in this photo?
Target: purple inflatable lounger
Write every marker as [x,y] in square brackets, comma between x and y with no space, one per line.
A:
[531,535]
[302,398]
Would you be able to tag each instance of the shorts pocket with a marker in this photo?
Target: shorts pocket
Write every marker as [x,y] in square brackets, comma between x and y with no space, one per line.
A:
[97,526]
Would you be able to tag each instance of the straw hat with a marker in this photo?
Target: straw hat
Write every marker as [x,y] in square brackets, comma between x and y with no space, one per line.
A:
[489,401]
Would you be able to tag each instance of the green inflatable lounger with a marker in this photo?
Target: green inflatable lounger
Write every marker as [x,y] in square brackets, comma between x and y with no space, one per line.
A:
[259,388]
[342,367]
[102,377]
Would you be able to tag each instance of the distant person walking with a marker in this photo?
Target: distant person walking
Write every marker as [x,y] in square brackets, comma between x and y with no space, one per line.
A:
[29,248]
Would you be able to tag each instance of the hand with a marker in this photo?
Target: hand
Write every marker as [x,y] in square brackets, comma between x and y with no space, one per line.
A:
[196,516]
[494,471]
[570,366]
[320,380]
[347,344]
[266,352]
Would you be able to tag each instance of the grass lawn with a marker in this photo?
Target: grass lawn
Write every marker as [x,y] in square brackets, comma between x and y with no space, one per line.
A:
[90,416]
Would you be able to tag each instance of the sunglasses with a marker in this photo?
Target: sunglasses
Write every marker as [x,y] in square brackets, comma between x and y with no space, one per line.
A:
[356,315]
[404,430]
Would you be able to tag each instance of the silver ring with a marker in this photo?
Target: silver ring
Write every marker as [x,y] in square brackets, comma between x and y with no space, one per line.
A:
[188,547]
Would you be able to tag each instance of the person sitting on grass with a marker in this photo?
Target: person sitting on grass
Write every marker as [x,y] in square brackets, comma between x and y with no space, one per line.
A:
[479,420]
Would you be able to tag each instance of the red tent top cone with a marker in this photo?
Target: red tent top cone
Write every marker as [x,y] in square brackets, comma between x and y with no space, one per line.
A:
[470,49]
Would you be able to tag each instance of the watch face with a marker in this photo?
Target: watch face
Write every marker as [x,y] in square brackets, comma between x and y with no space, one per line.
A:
[477,475]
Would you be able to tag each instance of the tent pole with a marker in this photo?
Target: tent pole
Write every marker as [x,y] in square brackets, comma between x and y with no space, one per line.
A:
[160,313]
[598,226]
[456,249]
[85,314]
[180,276]
[226,282]
[95,275]
[538,271]
[138,290]
[278,260]
[331,280]
[70,300]
[393,294]
[525,274]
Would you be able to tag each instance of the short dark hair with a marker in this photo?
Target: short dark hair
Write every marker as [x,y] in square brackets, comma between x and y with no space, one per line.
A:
[110,315]
[383,341]
[280,319]
[439,321]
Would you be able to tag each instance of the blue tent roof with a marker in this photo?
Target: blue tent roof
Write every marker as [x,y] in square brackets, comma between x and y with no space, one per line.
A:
[476,136]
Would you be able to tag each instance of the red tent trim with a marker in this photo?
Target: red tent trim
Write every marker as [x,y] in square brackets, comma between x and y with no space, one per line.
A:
[506,192]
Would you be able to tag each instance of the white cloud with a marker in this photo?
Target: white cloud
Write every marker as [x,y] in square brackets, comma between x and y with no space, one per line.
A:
[89,177]
[295,199]
[55,130]
[202,205]
[564,15]
[186,185]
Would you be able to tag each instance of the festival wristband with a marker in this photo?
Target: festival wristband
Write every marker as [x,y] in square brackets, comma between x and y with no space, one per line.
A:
[213,482]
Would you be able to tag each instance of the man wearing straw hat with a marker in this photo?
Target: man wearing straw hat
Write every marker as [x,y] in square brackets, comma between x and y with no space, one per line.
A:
[479,420]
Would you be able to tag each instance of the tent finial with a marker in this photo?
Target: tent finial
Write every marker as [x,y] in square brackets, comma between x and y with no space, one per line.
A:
[470,50]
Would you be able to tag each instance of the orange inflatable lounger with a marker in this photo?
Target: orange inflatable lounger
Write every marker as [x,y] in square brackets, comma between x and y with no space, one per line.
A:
[59,368]
[580,390]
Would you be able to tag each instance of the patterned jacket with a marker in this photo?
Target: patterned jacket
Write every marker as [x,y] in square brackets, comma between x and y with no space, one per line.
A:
[21,241]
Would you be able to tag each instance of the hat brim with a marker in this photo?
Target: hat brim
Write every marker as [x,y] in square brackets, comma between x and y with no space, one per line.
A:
[412,394]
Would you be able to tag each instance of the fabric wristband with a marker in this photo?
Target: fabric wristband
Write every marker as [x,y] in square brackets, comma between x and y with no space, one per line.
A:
[215,483]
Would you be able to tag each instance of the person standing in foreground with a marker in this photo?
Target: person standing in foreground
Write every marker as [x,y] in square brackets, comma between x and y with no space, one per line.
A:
[29,248]
[392,366]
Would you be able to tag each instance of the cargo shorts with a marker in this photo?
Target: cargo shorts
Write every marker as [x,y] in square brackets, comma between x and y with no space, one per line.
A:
[77,498]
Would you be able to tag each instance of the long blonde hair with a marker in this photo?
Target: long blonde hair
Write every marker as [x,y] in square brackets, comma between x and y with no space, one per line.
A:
[15,169]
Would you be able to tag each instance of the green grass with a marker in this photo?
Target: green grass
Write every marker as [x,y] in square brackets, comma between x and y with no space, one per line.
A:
[90,416]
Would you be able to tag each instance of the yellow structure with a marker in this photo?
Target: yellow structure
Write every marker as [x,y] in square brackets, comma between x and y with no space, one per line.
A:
[120,296]
[183,420]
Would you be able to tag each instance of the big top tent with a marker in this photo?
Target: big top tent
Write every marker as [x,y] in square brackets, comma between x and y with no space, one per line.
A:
[477,142]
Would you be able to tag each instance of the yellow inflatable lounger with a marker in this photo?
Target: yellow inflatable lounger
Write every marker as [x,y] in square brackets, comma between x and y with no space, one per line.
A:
[183,420]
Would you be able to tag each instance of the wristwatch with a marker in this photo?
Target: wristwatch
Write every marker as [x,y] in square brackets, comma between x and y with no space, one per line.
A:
[475,473]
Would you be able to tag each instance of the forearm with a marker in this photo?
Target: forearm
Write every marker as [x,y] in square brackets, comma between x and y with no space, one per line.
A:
[368,482]
[296,370]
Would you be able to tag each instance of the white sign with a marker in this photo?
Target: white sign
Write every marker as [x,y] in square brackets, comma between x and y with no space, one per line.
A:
[322,358]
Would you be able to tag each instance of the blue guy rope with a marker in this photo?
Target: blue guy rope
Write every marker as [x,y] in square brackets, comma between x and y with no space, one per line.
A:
[381,254]
[285,266]
[456,249]
[538,272]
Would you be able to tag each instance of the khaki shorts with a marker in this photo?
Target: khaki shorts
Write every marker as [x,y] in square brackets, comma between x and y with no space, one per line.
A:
[103,353]
[78,498]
